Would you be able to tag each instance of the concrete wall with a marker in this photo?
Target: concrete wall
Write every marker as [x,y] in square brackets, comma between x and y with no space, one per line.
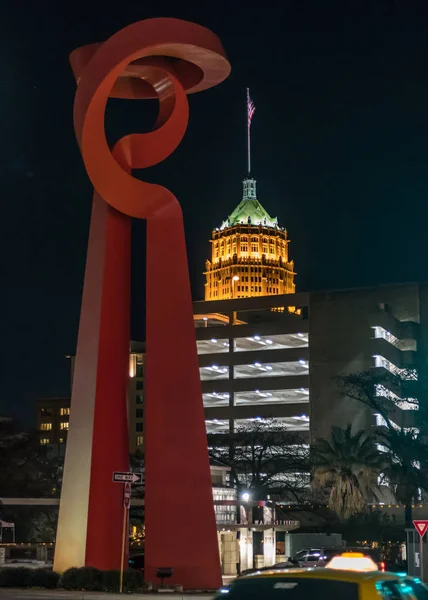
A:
[341,341]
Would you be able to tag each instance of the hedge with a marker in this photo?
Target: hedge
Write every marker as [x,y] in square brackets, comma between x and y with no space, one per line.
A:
[26,577]
[84,578]
[43,578]
[133,581]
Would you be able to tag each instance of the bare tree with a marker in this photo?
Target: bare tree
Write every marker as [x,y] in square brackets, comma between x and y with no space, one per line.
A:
[383,392]
[264,457]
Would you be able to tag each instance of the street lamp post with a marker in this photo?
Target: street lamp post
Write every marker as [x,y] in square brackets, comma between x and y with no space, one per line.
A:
[235,278]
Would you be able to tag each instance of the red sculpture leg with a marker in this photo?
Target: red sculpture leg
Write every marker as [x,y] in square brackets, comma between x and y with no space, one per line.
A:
[90,517]
[110,444]
[180,523]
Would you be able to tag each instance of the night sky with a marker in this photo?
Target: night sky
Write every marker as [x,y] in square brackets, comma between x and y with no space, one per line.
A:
[340,154]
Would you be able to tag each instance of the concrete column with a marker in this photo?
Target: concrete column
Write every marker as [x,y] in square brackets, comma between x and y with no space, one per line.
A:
[269,547]
[42,553]
[229,553]
[246,549]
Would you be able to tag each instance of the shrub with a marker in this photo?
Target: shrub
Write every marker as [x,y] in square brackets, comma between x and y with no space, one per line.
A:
[15,577]
[133,581]
[111,581]
[69,579]
[43,578]
[84,578]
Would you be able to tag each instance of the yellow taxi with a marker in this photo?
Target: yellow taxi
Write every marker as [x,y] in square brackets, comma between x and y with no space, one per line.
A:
[350,576]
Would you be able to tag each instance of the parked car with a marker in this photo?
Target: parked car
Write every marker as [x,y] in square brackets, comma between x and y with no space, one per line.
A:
[318,557]
[315,557]
[282,565]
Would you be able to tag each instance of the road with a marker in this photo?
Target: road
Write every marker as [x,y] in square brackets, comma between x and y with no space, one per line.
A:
[11,594]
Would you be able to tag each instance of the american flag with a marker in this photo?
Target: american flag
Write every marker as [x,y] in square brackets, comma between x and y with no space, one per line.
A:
[250,108]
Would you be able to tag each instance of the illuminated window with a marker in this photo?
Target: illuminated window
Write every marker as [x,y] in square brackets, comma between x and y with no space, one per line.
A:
[64,411]
[139,440]
[61,440]
[254,247]
[64,425]
[44,441]
[244,247]
[45,426]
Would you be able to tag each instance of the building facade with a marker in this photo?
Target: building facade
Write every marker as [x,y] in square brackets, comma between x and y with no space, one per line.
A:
[384,329]
[249,253]
[254,361]
[53,416]
[278,357]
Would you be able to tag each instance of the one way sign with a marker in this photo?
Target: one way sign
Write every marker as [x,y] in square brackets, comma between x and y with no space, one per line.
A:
[121,477]
[421,527]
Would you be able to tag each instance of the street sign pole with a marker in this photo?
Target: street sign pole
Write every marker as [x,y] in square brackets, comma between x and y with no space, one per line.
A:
[122,556]
[126,478]
[126,503]
[421,527]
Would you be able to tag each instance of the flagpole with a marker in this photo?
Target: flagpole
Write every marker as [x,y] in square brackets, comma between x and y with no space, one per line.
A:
[248,131]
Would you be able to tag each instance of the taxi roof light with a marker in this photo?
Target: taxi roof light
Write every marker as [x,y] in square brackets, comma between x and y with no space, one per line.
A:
[352,561]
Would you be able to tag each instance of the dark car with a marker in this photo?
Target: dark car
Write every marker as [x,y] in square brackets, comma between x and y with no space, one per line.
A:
[136,562]
[316,557]
[281,565]
[319,557]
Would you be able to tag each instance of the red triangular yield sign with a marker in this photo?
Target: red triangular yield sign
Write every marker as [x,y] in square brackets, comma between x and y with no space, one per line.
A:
[421,527]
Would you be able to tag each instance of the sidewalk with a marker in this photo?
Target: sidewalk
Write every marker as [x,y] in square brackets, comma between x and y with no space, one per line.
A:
[24,594]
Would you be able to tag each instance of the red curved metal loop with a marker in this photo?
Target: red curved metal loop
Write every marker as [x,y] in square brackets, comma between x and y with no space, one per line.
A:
[165,59]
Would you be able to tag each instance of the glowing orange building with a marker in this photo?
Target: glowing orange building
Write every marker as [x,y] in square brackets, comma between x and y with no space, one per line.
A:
[249,253]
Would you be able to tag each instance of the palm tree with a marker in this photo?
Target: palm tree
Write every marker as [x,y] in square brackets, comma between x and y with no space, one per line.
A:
[406,469]
[349,464]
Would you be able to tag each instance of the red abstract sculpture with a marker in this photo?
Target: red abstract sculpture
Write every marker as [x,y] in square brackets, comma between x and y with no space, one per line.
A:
[164,59]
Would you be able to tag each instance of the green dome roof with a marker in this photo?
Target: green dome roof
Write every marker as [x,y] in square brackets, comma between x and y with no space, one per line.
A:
[249,211]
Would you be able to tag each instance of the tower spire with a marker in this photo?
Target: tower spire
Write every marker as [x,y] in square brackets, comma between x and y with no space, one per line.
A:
[250,112]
